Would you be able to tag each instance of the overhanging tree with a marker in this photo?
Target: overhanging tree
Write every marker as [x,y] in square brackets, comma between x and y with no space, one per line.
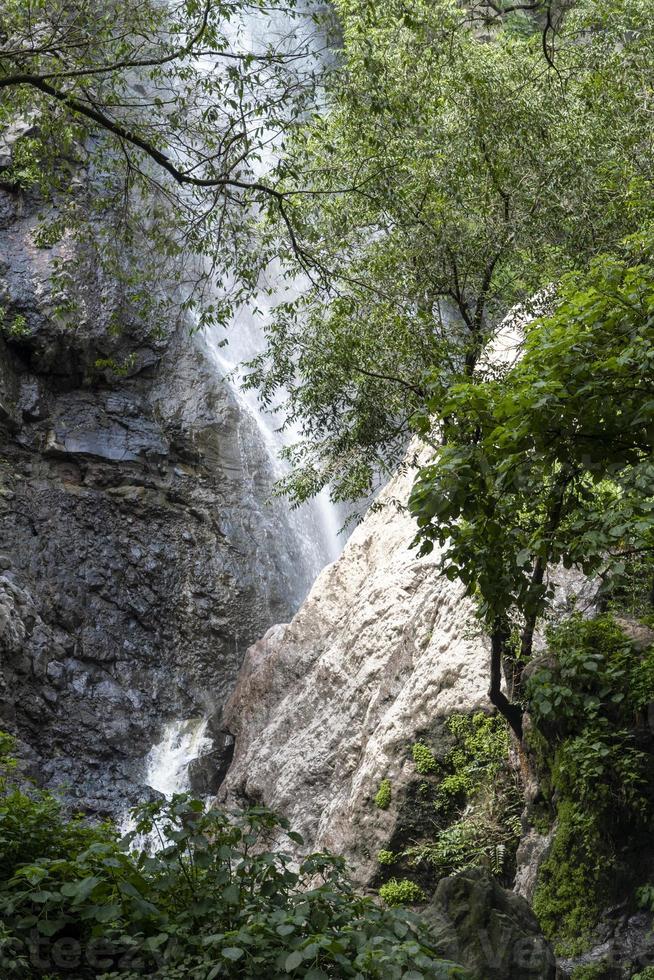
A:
[483,168]
[551,463]
[168,110]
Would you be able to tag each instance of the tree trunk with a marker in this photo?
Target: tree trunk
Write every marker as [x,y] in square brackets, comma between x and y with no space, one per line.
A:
[512,712]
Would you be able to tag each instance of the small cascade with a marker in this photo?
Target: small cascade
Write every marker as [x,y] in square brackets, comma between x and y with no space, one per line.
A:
[168,761]
[167,769]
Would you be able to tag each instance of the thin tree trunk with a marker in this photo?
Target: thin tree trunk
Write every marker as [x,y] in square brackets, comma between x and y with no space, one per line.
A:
[512,712]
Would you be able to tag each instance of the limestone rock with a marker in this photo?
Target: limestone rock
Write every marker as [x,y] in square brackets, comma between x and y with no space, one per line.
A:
[328,705]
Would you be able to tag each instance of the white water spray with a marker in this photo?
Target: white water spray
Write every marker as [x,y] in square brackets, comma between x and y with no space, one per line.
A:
[167,764]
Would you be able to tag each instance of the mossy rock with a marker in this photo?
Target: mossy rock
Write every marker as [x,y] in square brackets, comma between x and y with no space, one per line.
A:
[491,931]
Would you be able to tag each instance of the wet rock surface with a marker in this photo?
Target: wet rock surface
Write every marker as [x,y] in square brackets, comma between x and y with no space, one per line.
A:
[138,555]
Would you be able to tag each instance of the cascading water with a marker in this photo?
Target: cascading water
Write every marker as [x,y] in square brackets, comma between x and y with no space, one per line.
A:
[313,527]
[316,524]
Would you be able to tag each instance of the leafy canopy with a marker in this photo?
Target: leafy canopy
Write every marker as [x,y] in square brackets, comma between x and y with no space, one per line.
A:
[464,173]
[161,114]
[552,461]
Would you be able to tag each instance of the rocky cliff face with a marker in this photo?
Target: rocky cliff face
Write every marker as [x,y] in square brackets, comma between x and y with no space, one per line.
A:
[138,557]
[329,705]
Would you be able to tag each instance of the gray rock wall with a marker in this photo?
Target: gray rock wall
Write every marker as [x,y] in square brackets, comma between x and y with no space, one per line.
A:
[138,555]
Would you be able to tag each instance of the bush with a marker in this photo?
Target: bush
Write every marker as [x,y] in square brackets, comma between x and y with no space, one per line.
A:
[383,796]
[593,971]
[385,857]
[593,658]
[214,901]
[396,893]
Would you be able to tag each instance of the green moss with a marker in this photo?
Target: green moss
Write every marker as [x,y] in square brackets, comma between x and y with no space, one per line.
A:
[646,974]
[383,795]
[423,759]
[402,892]
[385,857]
[573,880]
[595,756]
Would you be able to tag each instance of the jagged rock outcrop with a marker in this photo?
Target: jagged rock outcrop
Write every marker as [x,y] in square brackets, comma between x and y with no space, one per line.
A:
[328,705]
[138,555]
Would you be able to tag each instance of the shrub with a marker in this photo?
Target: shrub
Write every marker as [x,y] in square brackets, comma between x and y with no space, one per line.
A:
[214,901]
[383,795]
[403,892]
[593,658]
[593,971]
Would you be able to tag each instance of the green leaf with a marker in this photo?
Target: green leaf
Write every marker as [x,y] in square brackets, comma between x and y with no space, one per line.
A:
[292,962]
[233,953]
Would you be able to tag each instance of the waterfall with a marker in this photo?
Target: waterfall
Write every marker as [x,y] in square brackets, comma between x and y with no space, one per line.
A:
[313,527]
[168,761]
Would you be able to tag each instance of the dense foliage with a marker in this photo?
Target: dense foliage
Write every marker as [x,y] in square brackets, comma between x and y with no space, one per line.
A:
[462,810]
[212,901]
[550,462]
[476,172]
[595,753]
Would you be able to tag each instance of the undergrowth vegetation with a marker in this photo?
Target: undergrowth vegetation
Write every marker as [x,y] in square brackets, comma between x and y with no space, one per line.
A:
[464,811]
[595,755]
[213,901]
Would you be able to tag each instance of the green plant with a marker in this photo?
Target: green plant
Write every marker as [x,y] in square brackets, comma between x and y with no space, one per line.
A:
[592,662]
[15,329]
[110,364]
[596,760]
[213,901]
[593,971]
[480,751]
[646,974]
[400,892]
[466,813]
[574,879]
[645,897]
[383,795]
[386,857]
[423,758]
[603,768]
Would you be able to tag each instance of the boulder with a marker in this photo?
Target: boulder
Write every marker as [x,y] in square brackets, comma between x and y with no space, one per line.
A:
[491,931]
